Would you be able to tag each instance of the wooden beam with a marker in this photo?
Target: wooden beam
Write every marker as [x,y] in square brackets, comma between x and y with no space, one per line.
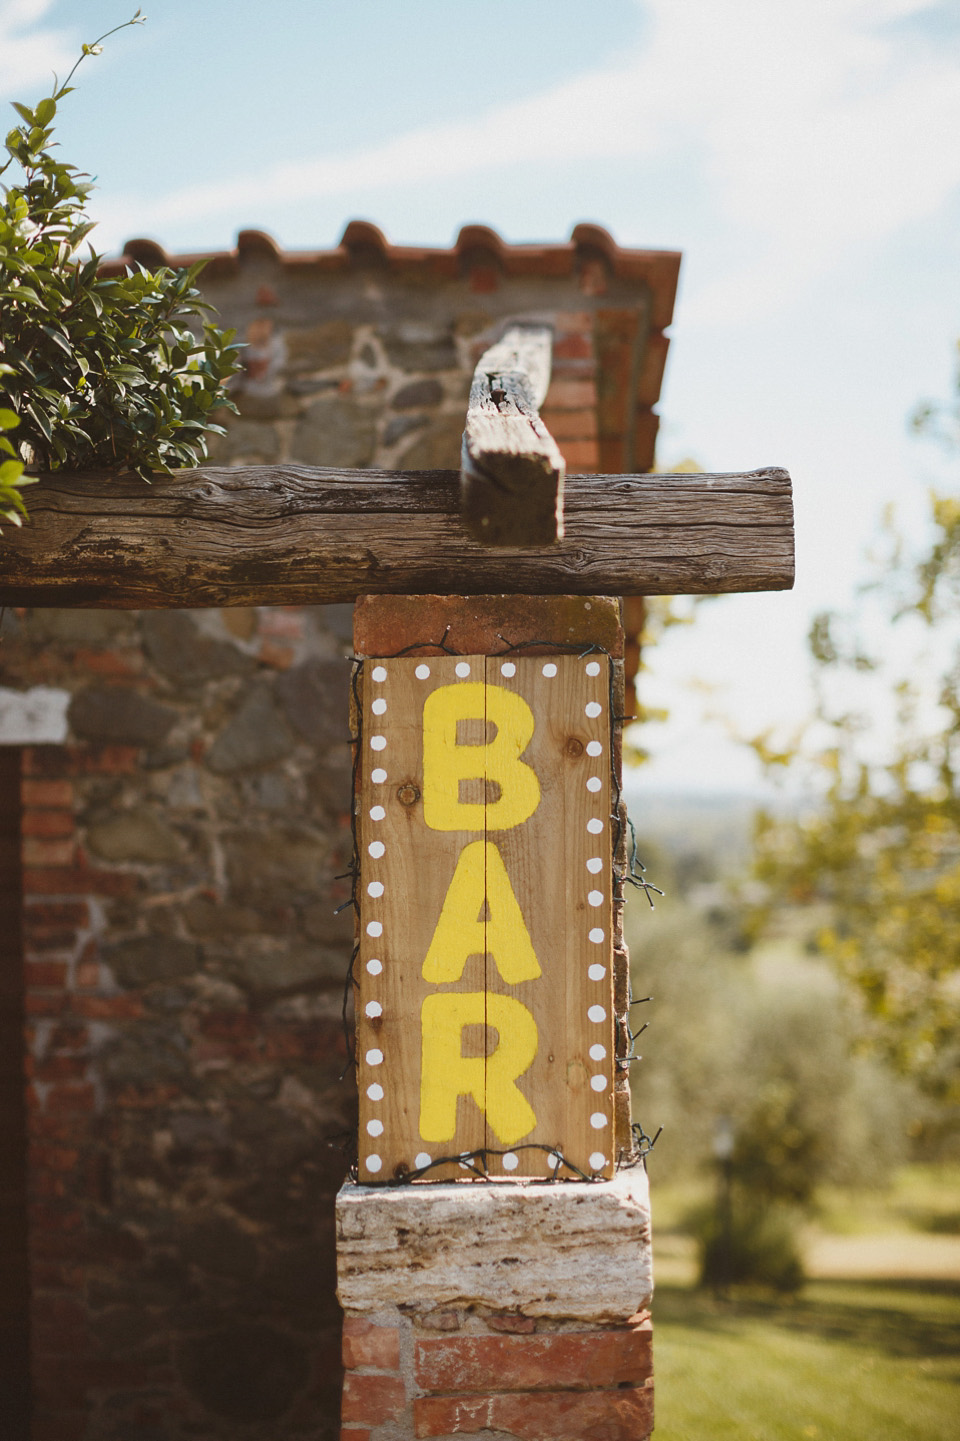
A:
[283,535]
[511,472]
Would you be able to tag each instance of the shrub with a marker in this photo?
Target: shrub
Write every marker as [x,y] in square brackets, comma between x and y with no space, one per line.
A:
[98,372]
[759,1248]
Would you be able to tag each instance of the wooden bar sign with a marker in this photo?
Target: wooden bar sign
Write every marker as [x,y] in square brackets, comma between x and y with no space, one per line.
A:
[485,1003]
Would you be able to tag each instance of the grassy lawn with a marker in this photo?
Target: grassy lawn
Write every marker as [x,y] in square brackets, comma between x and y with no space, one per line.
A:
[847,1361]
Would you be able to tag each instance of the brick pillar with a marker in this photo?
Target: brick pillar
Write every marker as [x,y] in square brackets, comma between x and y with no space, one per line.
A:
[508,1308]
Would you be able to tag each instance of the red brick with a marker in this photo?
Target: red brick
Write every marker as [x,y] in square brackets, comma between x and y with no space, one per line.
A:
[45,975]
[73,914]
[571,424]
[573,346]
[47,1186]
[46,793]
[43,939]
[571,394]
[79,760]
[354,1433]
[365,1344]
[229,1025]
[580,455]
[56,1276]
[87,975]
[515,1325]
[107,1008]
[50,1128]
[70,1098]
[372,1400]
[39,852]
[60,1068]
[280,657]
[525,1363]
[50,1003]
[385,624]
[47,823]
[78,880]
[620,1415]
[109,662]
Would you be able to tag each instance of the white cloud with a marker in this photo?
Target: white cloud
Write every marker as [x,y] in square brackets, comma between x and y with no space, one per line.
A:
[814,129]
[30,51]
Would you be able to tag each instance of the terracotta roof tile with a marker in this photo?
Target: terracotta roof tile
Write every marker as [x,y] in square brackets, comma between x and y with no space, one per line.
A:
[589,253]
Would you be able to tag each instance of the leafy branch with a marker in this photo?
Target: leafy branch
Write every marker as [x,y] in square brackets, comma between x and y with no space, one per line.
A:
[97,372]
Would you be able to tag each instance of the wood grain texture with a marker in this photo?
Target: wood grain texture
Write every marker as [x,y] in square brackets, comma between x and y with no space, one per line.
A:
[278,535]
[512,472]
[545,858]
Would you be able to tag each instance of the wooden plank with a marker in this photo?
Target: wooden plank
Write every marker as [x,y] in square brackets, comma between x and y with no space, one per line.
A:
[414,960]
[415,868]
[547,862]
[286,535]
[511,472]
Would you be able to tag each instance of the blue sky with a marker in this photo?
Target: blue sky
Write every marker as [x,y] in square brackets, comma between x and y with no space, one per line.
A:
[804,158]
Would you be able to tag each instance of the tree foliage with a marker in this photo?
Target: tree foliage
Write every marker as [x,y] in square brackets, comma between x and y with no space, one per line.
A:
[880,851]
[97,372]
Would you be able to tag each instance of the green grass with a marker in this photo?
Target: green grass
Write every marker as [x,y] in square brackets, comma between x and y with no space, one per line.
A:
[848,1361]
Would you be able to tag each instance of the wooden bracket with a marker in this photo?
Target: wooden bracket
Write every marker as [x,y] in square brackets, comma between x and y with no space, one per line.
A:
[511,471]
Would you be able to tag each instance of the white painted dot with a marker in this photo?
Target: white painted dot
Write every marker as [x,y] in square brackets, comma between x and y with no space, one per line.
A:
[378,743]
[598,1052]
[379,775]
[595,935]
[374,1128]
[553,1160]
[374,1057]
[376,849]
[508,668]
[598,1083]
[377,813]
[595,898]
[594,748]
[372,1009]
[596,1014]
[379,672]
[374,966]
[594,783]
[550,669]
[597,1161]
[374,1164]
[422,672]
[510,1161]
[593,667]
[593,708]
[596,973]
[594,864]
[375,889]
[379,705]
[594,826]
[375,1091]
[598,1120]
[421,1160]
[462,669]
[374,928]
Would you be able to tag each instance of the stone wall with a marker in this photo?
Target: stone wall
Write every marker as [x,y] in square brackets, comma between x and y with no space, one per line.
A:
[184,973]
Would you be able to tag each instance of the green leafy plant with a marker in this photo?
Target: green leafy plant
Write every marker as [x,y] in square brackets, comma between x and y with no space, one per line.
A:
[12,478]
[97,371]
